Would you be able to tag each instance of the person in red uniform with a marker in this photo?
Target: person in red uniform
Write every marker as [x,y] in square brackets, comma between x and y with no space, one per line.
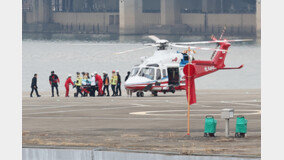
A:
[67,83]
[99,81]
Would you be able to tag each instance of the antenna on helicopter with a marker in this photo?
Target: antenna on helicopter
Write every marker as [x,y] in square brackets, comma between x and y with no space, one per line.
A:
[214,39]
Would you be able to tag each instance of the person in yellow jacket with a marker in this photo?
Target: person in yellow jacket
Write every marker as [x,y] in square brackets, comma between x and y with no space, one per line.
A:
[78,84]
[113,82]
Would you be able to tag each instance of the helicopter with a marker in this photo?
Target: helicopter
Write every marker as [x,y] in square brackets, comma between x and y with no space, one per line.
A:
[165,70]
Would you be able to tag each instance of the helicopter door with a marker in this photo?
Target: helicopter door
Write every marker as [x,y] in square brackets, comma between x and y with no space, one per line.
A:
[173,75]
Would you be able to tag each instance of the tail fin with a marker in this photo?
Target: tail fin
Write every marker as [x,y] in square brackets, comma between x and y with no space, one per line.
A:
[220,56]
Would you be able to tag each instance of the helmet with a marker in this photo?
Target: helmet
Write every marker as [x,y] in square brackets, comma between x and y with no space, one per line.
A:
[117,70]
[113,71]
[69,75]
[95,73]
[92,74]
[77,72]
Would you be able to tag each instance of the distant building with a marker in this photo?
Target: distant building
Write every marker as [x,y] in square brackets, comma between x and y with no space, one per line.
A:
[141,16]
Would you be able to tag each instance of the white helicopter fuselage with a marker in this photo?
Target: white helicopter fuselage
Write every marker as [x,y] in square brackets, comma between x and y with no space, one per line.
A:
[162,72]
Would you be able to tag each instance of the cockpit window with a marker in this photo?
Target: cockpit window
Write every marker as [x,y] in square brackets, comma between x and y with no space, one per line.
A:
[147,72]
[164,73]
[158,74]
[134,72]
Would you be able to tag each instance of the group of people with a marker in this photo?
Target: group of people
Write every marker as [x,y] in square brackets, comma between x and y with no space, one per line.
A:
[86,85]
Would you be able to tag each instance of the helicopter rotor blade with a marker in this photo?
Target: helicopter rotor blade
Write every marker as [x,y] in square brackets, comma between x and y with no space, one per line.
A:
[200,48]
[131,50]
[100,44]
[154,38]
[208,42]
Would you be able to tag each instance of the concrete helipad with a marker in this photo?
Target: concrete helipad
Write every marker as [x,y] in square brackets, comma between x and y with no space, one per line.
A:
[142,123]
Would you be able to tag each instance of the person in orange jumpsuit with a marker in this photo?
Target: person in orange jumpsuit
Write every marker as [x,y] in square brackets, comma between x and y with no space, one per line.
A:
[67,83]
[99,81]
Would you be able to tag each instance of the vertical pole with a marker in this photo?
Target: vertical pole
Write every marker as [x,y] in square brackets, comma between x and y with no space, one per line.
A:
[188,94]
[227,127]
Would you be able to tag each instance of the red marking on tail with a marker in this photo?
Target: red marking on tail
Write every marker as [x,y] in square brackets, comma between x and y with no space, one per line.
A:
[220,56]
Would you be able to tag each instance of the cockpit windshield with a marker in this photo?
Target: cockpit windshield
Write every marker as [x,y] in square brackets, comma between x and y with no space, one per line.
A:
[134,72]
[147,72]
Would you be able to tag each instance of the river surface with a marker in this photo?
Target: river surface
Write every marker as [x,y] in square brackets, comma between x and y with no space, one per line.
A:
[68,56]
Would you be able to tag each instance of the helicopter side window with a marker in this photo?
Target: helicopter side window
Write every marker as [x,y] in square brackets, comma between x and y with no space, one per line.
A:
[134,72]
[164,73]
[147,72]
[158,74]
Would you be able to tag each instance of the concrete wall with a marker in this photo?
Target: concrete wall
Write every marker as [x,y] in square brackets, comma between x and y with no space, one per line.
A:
[88,22]
[194,20]
[258,18]
[231,19]
[29,18]
[77,18]
[130,17]
[236,23]
[40,12]
[240,22]
[170,12]
[151,19]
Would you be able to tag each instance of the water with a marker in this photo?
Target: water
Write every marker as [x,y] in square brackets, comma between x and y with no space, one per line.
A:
[70,55]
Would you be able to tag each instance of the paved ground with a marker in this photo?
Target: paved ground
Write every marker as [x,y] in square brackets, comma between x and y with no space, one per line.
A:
[142,123]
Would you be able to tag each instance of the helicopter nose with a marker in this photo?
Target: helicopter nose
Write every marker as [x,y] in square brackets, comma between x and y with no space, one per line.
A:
[136,82]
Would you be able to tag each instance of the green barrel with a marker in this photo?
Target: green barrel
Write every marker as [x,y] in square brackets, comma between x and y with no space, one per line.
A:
[241,125]
[210,125]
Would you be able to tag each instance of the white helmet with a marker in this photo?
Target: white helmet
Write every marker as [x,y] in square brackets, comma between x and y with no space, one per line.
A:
[92,74]
[95,73]
[117,71]
[69,75]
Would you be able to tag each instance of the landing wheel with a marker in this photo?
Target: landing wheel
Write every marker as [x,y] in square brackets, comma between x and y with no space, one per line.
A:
[141,94]
[138,94]
[173,90]
[155,93]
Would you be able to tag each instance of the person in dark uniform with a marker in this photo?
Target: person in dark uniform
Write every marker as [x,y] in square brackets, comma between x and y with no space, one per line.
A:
[127,76]
[54,80]
[106,84]
[118,86]
[34,86]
